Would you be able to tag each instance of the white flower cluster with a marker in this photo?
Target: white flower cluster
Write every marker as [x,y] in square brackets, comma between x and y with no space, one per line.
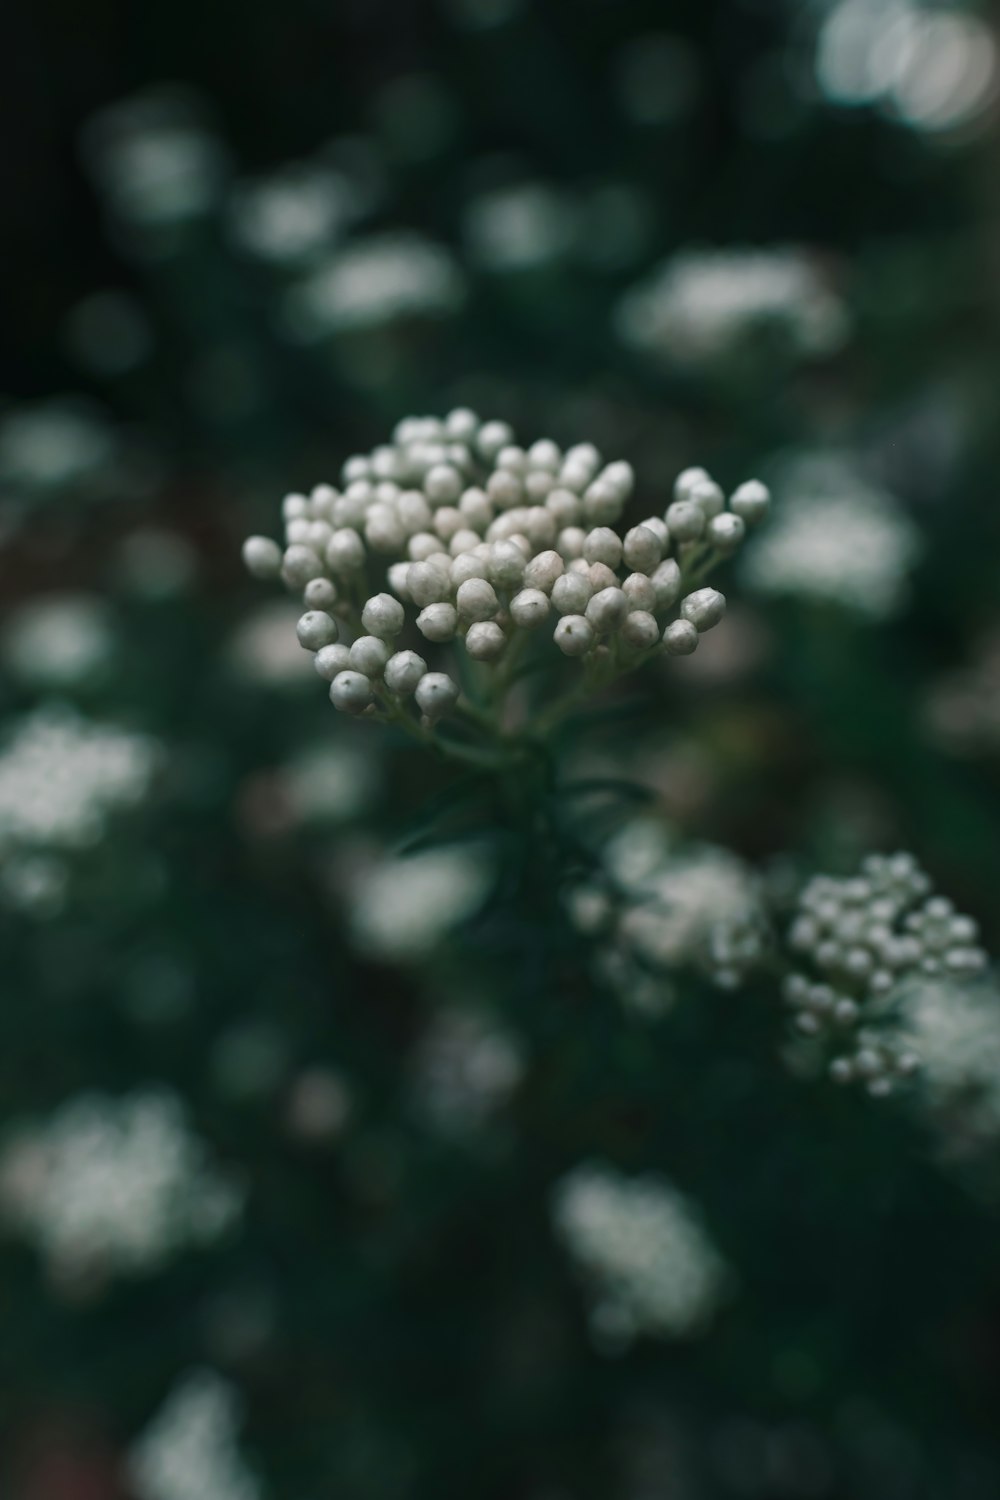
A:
[61,777]
[486,542]
[114,1185]
[641,1246]
[695,307]
[465,1068]
[190,1450]
[837,539]
[659,908]
[860,940]
[956,1035]
[57,640]
[374,282]
[400,908]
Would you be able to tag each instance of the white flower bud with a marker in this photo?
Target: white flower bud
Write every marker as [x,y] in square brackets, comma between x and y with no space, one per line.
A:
[602,503]
[383,615]
[438,622]
[529,608]
[403,671]
[543,570]
[422,545]
[602,577]
[476,509]
[383,529]
[704,608]
[686,520]
[545,455]
[574,635]
[355,468]
[540,527]
[436,695]
[485,640]
[726,531]
[506,566]
[369,655]
[345,552]
[750,501]
[397,575]
[493,436]
[443,484]
[658,526]
[319,536]
[680,638]
[687,480]
[447,521]
[476,600]
[620,476]
[462,424]
[575,477]
[709,498]
[299,531]
[640,592]
[571,593]
[537,486]
[316,629]
[607,609]
[666,581]
[512,457]
[641,630]
[462,542]
[294,507]
[322,500]
[504,489]
[602,545]
[467,565]
[329,661]
[642,550]
[262,557]
[413,511]
[319,593]
[564,507]
[426,584]
[299,566]
[351,692]
[569,543]
[584,454]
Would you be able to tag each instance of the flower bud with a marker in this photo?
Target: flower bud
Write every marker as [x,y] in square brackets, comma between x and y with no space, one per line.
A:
[602,545]
[403,671]
[331,660]
[543,570]
[476,600]
[369,655]
[383,615]
[726,531]
[686,520]
[750,501]
[319,593]
[427,584]
[436,695]
[438,622]
[316,629]
[351,692]
[686,481]
[345,552]
[571,593]
[680,638]
[262,557]
[529,608]
[485,641]
[666,581]
[640,592]
[299,566]
[574,635]
[607,610]
[643,549]
[640,630]
[704,608]
[708,497]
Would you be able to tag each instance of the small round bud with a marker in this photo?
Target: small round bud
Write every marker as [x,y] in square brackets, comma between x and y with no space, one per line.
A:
[571,593]
[351,692]
[319,593]
[529,608]
[704,608]
[726,531]
[369,655]
[299,566]
[422,545]
[436,695]
[262,557]
[569,542]
[602,545]
[642,550]
[543,570]
[601,577]
[574,635]
[476,509]
[686,481]
[383,616]
[545,455]
[607,610]
[620,477]
[564,507]
[398,574]
[316,629]
[485,641]
[476,600]
[540,528]
[383,529]
[680,638]
[345,552]
[294,507]
[666,581]
[641,630]
[413,511]
[467,565]
[602,503]
[504,489]
[506,567]
[438,622]
[640,592]
[709,498]
[461,425]
[513,458]
[537,486]
[841,1070]
[403,671]
[331,660]
[686,520]
[443,484]
[448,521]
[299,530]
[750,501]
[658,526]
[426,584]
[493,436]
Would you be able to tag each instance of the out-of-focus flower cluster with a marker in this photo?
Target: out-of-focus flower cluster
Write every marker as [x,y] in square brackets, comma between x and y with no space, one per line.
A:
[696,308]
[190,1448]
[486,543]
[649,1264]
[858,943]
[465,1068]
[114,1186]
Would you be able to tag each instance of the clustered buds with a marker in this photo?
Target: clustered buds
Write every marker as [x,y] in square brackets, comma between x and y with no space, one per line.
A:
[481,543]
[860,941]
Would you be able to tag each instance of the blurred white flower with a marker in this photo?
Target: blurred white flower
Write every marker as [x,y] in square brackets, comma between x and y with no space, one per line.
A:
[56,640]
[114,1185]
[400,908]
[292,215]
[955,1030]
[331,782]
[465,1067]
[190,1449]
[264,648]
[521,227]
[834,538]
[697,306]
[61,778]
[640,1245]
[155,159]
[61,443]
[375,282]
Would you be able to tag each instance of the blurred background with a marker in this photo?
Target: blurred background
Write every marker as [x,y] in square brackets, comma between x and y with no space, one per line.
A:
[284,1115]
